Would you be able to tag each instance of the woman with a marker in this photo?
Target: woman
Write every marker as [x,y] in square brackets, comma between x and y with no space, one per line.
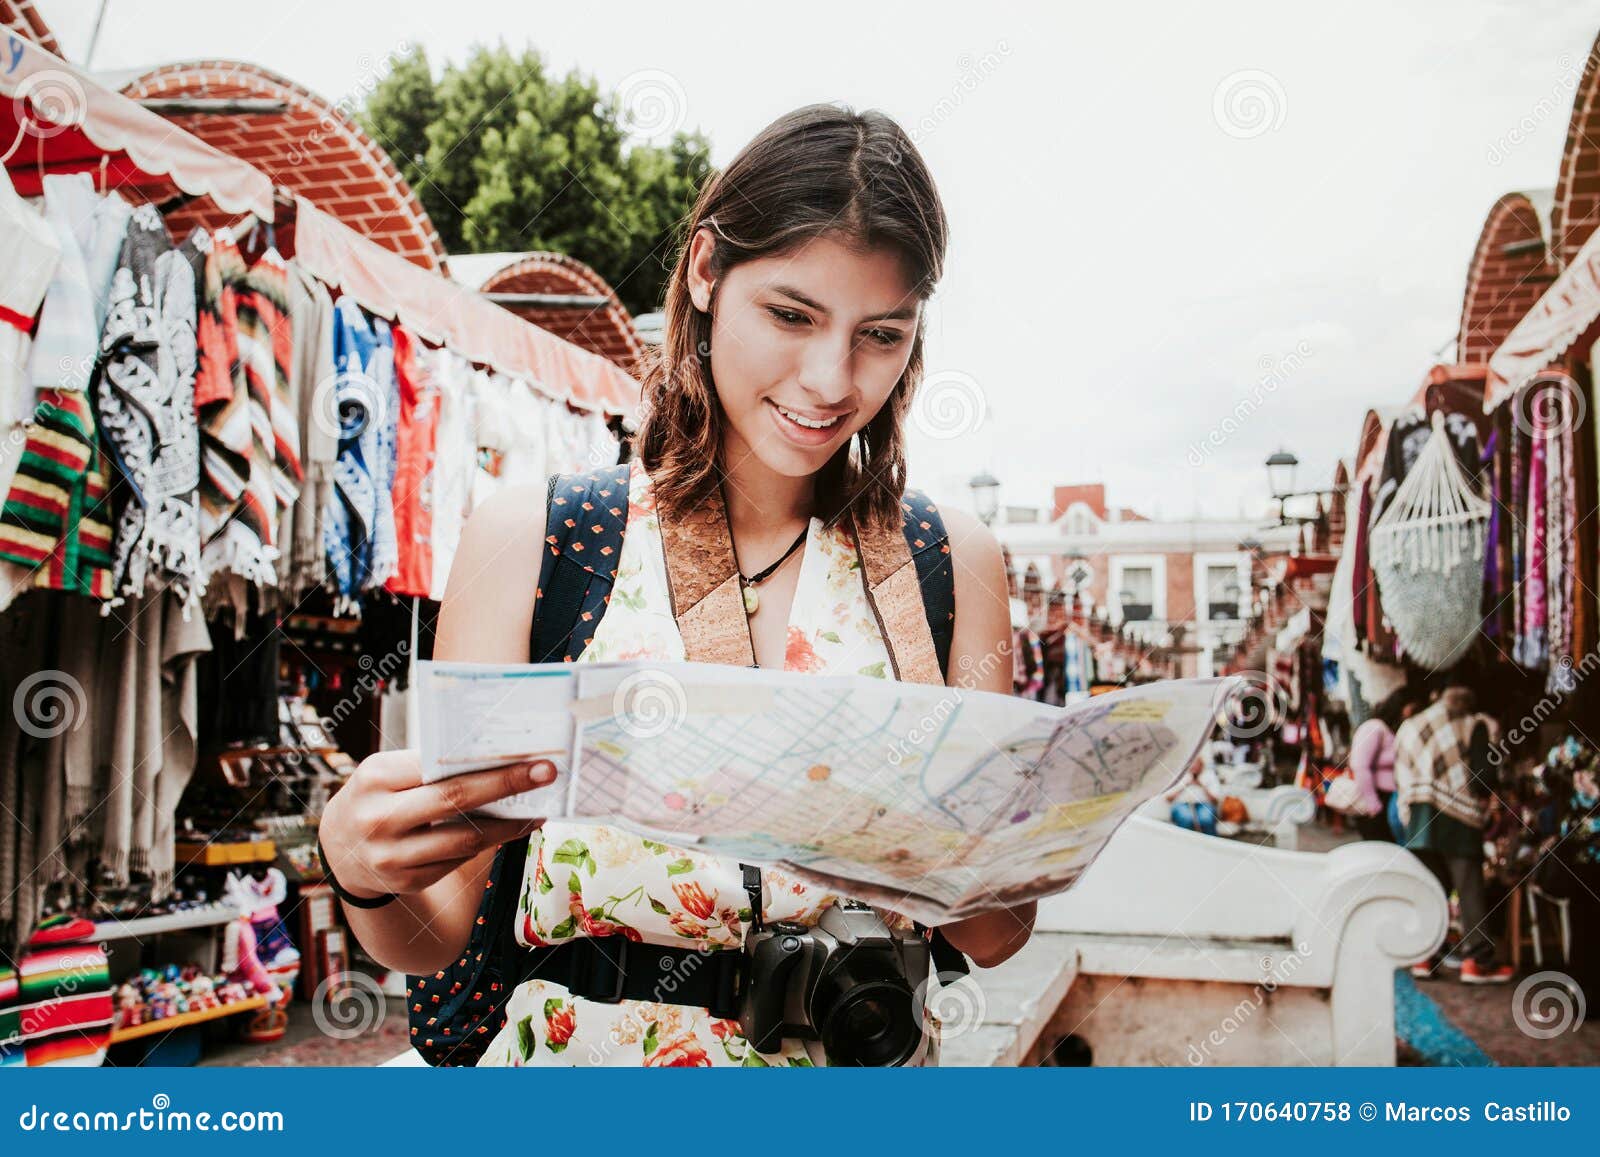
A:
[1195,798]
[793,346]
[1372,766]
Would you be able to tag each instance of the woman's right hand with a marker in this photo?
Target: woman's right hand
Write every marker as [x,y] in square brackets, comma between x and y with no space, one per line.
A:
[387,831]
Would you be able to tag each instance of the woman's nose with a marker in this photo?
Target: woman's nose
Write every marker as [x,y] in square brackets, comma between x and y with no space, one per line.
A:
[826,371]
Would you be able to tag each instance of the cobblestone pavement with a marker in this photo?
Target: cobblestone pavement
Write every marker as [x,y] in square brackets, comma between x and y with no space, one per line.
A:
[305,1044]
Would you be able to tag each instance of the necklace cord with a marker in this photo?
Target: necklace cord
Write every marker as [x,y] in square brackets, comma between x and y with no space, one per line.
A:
[761,576]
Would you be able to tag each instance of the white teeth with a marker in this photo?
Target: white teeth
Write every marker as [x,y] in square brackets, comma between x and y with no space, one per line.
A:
[808,423]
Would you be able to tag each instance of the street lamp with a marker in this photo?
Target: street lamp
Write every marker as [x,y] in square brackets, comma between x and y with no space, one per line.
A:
[985,496]
[1280,473]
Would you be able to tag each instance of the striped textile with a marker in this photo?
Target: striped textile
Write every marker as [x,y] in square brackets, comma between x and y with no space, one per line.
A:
[250,435]
[56,518]
[11,1047]
[65,1011]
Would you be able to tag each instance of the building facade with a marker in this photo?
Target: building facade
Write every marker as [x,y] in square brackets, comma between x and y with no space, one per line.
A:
[1181,585]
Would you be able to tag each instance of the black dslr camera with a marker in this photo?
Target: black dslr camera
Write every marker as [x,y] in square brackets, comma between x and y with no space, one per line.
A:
[849,981]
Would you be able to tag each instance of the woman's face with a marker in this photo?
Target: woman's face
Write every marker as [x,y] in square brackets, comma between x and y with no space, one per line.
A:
[805,347]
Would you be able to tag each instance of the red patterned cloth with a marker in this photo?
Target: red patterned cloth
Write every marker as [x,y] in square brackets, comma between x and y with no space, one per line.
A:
[415,446]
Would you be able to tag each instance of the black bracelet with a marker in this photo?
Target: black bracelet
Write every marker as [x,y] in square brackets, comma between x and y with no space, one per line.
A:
[354,901]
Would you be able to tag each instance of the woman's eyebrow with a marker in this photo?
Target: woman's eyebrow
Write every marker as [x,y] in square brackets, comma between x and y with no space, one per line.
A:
[905,313]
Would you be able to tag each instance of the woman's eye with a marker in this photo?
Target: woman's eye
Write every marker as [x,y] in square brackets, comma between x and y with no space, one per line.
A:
[787,316]
[887,338]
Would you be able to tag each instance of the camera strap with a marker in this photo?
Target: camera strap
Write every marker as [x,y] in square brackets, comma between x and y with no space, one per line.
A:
[613,968]
[752,889]
[947,958]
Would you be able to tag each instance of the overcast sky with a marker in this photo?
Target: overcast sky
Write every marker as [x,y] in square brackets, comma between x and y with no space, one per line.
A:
[1157,212]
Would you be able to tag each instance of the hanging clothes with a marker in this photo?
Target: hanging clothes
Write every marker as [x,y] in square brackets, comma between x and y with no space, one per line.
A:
[492,411]
[529,416]
[144,404]
[358,534]
[33,254]
[89,229]
[416,443]
[1530,649]
[55,518]
[455,461]
[249,427]
[149,716]
[385,544]
[302,561]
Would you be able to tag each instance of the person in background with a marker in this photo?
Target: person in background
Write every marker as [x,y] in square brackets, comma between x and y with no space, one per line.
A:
[1443,807]
[1195,798]
[1372,766]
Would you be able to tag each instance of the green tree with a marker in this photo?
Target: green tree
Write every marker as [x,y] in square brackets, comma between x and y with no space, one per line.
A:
[505,156]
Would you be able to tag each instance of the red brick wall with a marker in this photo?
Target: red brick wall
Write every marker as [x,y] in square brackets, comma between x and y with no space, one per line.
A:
[1576,212]
[1502,287]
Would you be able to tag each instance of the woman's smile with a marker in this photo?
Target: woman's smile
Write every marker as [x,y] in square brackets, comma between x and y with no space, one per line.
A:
[807,428]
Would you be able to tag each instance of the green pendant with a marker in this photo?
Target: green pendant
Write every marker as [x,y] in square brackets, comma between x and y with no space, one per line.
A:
[751,600]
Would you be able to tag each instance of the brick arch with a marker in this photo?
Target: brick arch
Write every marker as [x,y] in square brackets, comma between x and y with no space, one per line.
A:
[1576,211]
[1511,266]
[22,17]
[312,148]
[603,329]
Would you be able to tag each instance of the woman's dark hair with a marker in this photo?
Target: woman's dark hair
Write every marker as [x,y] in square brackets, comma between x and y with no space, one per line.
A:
[1391,711]
[822,170]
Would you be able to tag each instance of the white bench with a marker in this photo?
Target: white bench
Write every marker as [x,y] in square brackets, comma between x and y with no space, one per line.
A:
[1276,812]
[1178,948]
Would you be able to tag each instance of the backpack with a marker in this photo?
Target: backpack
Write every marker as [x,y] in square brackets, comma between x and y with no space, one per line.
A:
[454,1013]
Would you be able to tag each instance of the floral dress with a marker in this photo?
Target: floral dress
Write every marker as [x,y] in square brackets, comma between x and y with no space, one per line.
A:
[583,880]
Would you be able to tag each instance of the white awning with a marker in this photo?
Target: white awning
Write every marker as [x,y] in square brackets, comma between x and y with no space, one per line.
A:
[1557,320]
[55,119]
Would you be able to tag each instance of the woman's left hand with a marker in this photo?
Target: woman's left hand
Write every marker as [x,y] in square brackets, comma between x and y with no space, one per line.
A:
[989,938]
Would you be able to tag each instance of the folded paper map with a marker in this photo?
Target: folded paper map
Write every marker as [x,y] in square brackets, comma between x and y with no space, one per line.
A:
[933,801]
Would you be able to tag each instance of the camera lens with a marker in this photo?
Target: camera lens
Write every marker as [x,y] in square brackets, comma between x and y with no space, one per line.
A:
[871,1024]
[866,1020]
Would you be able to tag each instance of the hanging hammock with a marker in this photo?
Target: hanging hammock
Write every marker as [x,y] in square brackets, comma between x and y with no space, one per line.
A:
[1427,551]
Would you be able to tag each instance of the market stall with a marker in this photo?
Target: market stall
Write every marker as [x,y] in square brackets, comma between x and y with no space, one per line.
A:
[237,460]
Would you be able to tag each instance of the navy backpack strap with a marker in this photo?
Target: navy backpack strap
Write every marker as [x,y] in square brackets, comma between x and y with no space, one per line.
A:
[455,1012]
[930,550]
[585,517]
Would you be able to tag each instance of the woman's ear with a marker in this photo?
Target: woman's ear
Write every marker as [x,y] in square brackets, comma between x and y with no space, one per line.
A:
[701,282]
